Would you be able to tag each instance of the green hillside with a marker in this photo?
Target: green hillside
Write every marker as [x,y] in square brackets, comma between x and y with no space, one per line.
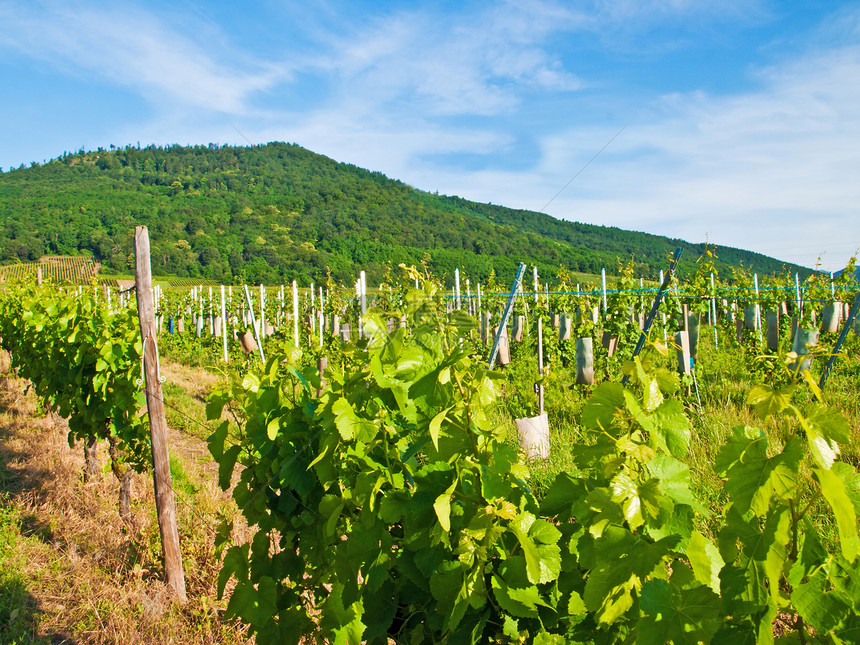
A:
[278,212]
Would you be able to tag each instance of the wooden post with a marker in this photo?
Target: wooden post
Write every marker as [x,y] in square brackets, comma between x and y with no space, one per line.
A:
[164,504]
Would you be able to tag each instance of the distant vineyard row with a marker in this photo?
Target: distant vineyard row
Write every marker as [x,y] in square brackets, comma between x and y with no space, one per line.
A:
[56,268]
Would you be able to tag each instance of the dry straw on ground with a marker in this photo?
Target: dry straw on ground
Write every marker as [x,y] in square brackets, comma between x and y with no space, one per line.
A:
[90,576]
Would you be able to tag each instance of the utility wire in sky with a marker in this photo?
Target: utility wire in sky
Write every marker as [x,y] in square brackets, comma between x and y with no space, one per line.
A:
[581,169]
[242,134]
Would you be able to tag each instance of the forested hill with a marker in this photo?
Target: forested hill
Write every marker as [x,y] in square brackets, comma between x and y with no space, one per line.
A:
[278,212]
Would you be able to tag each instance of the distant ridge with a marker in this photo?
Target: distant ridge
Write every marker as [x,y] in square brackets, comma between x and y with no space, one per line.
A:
[277,212]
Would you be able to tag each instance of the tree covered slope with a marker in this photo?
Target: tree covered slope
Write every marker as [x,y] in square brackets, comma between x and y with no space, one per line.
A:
[278,212]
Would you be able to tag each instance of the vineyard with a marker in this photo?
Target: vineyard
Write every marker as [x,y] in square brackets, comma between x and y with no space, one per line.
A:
[692,476]
[59,269]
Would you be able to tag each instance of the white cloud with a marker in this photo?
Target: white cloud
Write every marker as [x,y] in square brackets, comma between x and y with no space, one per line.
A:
[759,170]
[467,63]
[772,170]
[130,47]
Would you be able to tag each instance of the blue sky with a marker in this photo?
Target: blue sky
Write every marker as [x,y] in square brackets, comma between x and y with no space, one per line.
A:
[739,120]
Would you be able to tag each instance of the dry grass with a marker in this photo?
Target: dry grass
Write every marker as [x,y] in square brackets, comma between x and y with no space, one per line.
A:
[90,577]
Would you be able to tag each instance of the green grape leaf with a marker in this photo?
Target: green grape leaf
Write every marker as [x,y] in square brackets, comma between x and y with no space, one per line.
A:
[821,605]
[520,528]
[851,479]
[539,542]
[576,605]
[251,382]
[272,428]
[520,602]
[749,581]
[442,507]
[668,380]
[609,591]
[833,489]
[216,440]
[226,465]
[706,560]
[825,430]
[348,423]
[752,476]
[350,631]
[768,400]
[563,493]
[635,410]
[235,564]
[672,428]
[812,554]
[257,605]
[603,406]
[435,425]
[511,628]
[677,615]
[674,477]
[448,586]
[331,506]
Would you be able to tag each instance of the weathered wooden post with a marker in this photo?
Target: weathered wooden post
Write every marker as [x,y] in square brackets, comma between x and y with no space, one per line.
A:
[164,503]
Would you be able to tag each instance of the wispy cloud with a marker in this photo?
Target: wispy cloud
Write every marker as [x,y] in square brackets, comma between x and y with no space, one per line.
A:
[470,63]
[399,88]
[751,170]
[130,47]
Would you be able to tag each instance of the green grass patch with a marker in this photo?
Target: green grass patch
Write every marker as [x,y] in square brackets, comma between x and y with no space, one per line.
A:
[18,617]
